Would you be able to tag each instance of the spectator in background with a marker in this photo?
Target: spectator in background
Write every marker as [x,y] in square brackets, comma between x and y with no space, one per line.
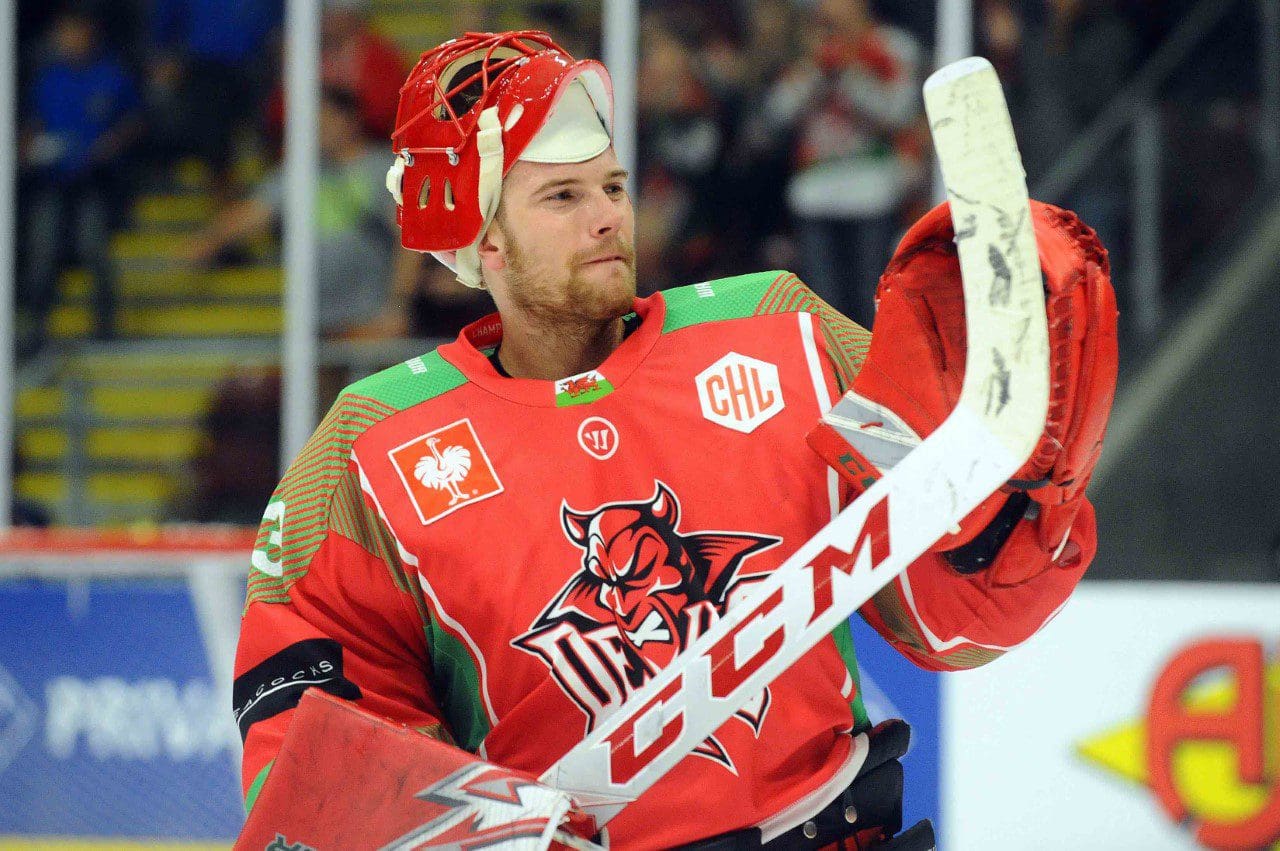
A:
[759,160]
[854,104]
[84,117]
[355,58]
[1043,52]
[998,33]
[357,251]
[236,467]
[206,75]
[683,137]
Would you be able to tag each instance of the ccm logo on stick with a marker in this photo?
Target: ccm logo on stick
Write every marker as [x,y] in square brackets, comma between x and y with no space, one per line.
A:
[748,647]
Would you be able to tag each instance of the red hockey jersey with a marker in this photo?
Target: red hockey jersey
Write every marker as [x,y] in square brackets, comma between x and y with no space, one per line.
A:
[502,561]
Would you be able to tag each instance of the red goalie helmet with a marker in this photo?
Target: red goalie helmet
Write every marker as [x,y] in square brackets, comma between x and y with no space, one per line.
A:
[472,107]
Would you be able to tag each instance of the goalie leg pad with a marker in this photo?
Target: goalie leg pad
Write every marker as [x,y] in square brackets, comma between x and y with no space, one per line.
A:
[345,778]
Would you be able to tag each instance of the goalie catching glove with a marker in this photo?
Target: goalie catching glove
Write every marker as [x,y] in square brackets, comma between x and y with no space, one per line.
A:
[915,367]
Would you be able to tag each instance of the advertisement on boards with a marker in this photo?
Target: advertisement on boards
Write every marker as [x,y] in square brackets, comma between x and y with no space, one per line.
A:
[1146,717]
[112,727]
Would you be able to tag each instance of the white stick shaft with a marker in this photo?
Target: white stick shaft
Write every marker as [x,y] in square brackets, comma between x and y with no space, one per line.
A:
[808,596]
[989,435]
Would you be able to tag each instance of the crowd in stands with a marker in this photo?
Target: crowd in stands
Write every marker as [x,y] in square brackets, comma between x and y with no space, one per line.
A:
[116,93]
[772,134]
[791,133]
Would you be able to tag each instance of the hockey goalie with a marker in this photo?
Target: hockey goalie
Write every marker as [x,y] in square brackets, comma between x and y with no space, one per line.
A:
[487,555]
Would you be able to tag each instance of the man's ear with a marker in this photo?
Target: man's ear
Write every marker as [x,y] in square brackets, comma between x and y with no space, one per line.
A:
[493,247]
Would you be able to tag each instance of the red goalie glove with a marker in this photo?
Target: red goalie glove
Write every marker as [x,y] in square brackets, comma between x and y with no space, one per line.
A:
[346,778]
[914,369]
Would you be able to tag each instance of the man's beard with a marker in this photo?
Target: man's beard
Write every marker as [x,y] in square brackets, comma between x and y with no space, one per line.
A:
[565,294]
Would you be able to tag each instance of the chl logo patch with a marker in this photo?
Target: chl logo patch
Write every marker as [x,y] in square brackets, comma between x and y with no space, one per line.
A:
[445,470]
[740,392]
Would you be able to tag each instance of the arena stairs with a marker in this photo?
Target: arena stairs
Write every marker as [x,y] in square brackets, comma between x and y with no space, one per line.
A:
[106,432]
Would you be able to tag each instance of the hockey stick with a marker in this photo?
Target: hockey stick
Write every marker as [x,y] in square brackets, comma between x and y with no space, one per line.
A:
[990,434]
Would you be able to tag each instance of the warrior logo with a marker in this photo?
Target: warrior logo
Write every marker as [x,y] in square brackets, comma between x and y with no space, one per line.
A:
[644,593]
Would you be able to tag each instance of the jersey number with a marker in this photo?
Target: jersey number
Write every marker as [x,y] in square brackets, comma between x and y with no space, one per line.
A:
[274,515]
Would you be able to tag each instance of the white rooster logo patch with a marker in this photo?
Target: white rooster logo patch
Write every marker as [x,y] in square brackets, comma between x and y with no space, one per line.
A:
[445,470]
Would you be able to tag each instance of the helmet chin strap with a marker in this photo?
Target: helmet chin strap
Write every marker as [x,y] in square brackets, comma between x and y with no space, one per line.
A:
[489,145]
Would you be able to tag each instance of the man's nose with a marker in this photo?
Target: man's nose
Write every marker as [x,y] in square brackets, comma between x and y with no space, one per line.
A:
[607,216]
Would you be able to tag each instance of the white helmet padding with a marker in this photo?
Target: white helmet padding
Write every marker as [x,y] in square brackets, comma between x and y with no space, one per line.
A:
[576,130]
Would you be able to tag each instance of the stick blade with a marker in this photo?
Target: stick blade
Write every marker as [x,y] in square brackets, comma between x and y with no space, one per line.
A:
[948,74]
[1006,378]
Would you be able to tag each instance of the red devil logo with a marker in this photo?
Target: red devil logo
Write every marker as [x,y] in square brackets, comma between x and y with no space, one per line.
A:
[643,593]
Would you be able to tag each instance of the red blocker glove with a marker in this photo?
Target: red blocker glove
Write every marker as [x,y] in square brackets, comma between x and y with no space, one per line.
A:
[345,778]
[912,376]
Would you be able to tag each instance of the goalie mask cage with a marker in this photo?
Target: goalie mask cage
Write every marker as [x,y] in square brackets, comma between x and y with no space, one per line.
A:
[115,688]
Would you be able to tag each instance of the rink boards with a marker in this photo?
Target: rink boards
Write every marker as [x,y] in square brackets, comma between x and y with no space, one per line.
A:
[114,688]
[114,678]
[1097,733]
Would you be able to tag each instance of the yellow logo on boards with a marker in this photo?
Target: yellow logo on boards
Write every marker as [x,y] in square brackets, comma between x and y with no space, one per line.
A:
[1209,746]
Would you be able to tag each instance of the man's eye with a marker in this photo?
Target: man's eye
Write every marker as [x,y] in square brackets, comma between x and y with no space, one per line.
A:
[562,195]
[615,189]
